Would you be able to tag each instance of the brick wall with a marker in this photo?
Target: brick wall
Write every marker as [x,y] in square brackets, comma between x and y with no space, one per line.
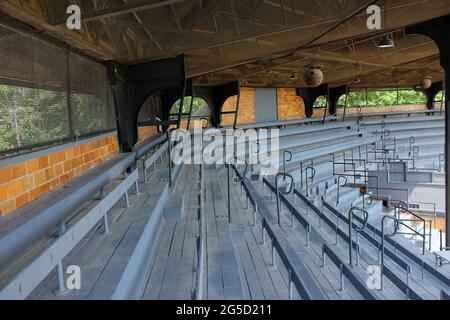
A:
[290,106]
[23,182]
[247,111]
[383,109]
[146,132]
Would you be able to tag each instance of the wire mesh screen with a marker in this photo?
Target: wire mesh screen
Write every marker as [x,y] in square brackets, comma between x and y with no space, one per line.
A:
[34,93]
[90,101]
[33,106]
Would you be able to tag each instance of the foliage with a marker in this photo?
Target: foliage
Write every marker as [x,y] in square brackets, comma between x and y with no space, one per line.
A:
[198,102]
[382,98]
[30,116]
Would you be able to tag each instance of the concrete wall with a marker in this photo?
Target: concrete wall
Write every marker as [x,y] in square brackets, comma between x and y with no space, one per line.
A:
[408,191]
[27,177]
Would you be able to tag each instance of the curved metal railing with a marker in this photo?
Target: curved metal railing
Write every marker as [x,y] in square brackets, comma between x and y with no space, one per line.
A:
[441,160]
[312,171]
[339,185]
[286,159]
[412,140]
[285,191]
[383,234]
[351,212]
[369,197]
[402,205]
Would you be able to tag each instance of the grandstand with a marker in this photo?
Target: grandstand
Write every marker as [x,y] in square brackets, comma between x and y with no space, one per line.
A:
[177,150]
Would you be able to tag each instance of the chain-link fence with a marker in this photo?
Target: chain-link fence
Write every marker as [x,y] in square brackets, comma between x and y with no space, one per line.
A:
[48,94]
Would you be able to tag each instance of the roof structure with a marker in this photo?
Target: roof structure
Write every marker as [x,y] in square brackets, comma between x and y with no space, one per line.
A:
[259,42]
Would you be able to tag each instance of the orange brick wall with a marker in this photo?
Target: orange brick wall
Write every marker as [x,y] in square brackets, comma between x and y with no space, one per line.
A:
[146,132]
[247,111]
[290,106]
[383,109]
[24,182]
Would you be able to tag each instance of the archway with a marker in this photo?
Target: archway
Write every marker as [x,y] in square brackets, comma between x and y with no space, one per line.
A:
[149,113]
[200,111]
[320,106]
[438,102]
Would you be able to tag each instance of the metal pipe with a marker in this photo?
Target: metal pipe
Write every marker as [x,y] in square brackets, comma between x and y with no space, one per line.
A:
[313,174]
[339,186]
[396,224]
[14,243]
[357,229]
[286,159]
[285,192]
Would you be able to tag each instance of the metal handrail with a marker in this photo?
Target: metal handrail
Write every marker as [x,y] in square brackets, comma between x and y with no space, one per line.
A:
[412,140]
[286,152]
[285,192]
[415,153]
[207,122]
[258,149]
[170,144]
[402,205]
[357,229]
[313,174]
[382,125]
[244,174]
[236,179]
[339,186]
[441,159]
[396,225]
[364,199]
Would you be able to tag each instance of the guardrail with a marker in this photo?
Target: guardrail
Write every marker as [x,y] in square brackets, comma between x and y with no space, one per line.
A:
[371,239]
[49,213]
[352,227]
[395,279]
[401,205]
[54,212]
[307,292]
[295,213]
[151,161]
[28,279]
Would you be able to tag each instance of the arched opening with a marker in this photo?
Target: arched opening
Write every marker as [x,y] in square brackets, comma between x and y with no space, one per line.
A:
[438,103]
[319,106]
[148,112]
[381,100]
[200,111]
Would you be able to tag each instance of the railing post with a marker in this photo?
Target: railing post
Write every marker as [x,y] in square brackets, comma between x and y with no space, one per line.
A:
[170,158]
[323,257]
[396,223]
[228,193]
[357,229]
[274,263]
[61,285]
[291,293]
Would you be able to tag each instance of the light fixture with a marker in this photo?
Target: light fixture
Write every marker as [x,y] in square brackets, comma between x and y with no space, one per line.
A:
[313,76]
[386,42]
[293,77]
[426,83]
